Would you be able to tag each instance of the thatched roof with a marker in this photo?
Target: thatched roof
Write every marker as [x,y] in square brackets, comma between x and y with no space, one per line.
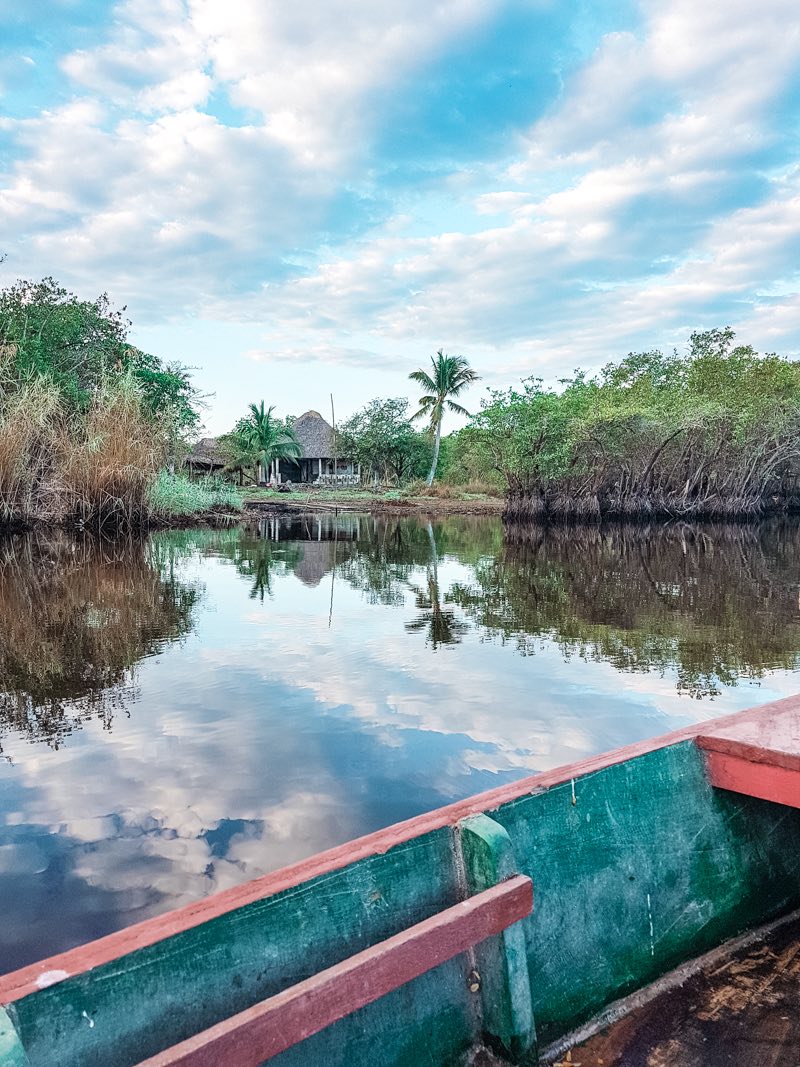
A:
[315,436]
[318,559]
[206,453]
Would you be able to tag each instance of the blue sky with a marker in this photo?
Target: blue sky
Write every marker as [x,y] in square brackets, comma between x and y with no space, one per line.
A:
[306,198]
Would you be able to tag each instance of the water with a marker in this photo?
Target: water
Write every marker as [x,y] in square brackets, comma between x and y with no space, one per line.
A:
[183,714]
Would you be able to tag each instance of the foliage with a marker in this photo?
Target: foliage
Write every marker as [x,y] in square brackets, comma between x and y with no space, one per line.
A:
[713,432]
[449,378]
[86,419]
[108,456]
[258,439]
[169,396]
[382,439]
[176,496]
[45,330]
[78,615]
[79,344]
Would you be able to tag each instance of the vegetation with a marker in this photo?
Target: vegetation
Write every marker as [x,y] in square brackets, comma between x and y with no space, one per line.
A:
[383,440]
[174,496]
[78,615]
[449,377]
[712,433]
[87,420]
[258,440]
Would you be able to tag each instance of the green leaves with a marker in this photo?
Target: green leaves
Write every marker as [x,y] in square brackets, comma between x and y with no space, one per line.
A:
[259,438]
[381,438]
[714,431]
[450,376]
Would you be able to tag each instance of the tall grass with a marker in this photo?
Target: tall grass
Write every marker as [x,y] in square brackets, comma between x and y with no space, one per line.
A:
[109,456]
[30,411]
[173,496]
[100,467]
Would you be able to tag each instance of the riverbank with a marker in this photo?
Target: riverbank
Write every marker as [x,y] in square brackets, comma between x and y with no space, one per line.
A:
[441,501]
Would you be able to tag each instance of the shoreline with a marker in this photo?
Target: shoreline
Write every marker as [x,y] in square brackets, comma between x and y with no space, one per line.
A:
[402,506]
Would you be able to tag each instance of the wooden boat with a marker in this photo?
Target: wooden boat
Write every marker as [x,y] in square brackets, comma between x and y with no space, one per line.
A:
[510,927]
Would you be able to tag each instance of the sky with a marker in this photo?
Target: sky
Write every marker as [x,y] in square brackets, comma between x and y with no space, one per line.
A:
[299,199]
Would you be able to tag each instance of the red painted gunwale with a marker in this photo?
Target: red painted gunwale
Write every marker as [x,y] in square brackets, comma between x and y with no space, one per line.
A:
[23,982]
[781,785]
[276,1024]
[772,738]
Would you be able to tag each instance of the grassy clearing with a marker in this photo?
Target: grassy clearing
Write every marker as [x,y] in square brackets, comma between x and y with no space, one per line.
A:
[415,496]
[174,496]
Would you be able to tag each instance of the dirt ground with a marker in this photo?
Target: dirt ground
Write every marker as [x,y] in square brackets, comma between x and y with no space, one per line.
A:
[739,1012]
[392,503]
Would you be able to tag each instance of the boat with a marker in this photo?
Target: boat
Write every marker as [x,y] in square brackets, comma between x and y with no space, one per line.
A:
[523,925]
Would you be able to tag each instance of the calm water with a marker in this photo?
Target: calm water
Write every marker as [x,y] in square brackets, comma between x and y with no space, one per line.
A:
[183,714]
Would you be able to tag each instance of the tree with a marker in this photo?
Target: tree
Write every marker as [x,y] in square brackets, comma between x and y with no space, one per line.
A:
[259,439]
[381,438]
[81,346]
[451,375]
[169,396]
[49,331]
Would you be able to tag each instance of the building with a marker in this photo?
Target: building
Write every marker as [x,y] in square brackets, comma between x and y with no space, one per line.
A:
[205,457]
[316,460]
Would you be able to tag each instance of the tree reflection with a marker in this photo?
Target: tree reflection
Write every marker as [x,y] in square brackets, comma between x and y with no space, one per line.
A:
[257,555]
[716,603]
[440,625]
[75,618]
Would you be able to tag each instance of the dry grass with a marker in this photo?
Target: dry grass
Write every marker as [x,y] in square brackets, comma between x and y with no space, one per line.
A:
[94,467]
[446,491]
[110,459]
[29,414]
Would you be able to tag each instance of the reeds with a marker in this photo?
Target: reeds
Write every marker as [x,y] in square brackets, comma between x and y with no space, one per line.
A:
[96,468]
[29,414]
[109,456]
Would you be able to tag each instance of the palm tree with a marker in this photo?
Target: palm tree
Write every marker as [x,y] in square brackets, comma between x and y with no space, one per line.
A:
[261,439]
[451,375]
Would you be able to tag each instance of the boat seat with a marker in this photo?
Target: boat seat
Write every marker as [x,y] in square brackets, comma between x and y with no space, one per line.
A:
[758,756]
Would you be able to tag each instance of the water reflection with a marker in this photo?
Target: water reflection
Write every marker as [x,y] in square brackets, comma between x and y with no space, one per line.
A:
[716,603]
[76,618]
[305,680]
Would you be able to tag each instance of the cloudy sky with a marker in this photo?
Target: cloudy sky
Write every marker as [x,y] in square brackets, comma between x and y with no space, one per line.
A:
[299,198]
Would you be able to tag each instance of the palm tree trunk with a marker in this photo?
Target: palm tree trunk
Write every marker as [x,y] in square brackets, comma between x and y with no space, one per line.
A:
[435,460]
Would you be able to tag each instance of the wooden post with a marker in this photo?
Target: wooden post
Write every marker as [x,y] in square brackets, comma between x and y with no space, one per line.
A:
[502,961]
[335,449]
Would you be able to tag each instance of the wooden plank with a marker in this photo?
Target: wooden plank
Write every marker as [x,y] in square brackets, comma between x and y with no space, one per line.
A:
[771,737]
[276,1024]
[29,979]
[781,785]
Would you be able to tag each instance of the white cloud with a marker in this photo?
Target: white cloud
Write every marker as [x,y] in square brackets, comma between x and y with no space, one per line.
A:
[219,160]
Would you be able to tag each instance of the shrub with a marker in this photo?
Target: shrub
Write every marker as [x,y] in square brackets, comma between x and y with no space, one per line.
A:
[176,496]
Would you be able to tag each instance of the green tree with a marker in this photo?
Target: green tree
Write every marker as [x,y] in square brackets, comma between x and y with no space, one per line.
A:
[260,438]
[168,395]
[47,330]
[711,432]
[450,376]
[381,438]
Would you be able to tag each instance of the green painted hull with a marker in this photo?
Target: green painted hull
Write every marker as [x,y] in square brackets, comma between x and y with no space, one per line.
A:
[638,865]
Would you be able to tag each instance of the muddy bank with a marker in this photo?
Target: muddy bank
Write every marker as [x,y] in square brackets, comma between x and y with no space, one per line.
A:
[374,506]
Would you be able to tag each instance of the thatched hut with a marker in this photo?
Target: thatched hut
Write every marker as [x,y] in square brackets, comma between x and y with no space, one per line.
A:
[205,457]
[318,447]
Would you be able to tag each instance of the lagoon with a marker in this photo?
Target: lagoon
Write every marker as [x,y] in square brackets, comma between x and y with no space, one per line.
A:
[182,713]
